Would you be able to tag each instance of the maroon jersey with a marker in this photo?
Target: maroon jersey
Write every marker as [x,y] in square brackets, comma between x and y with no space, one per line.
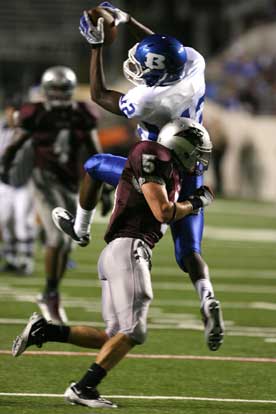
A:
[132,216]
[59,135]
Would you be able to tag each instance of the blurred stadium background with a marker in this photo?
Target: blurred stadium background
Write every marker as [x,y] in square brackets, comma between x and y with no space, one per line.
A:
[236,38]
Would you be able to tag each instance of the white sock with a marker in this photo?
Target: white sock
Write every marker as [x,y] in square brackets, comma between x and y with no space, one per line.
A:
[204,289]
[83,221]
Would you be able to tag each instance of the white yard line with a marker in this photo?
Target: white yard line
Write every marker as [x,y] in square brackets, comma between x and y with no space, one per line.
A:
[147,397]
[238,234]
[241,208]
[164,285]
[174,271]
[150,356]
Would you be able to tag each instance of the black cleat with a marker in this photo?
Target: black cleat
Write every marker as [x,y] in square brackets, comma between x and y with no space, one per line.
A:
[213,323]
[88,397]
[64,221]
[33,334]
[9,268]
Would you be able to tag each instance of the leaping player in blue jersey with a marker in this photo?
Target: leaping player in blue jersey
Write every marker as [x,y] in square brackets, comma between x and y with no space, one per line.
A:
[169,83]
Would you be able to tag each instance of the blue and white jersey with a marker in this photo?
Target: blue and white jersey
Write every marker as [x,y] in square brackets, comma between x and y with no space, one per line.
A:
[154,106]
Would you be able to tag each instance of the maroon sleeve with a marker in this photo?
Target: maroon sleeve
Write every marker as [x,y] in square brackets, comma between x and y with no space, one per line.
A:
[151,162]
[26,115]
[89,113]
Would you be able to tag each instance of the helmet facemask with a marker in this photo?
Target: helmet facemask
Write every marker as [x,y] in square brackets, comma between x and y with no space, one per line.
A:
[196,151]
[133,70]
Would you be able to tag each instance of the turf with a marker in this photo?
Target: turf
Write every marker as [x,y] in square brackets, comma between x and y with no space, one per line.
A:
[244,277]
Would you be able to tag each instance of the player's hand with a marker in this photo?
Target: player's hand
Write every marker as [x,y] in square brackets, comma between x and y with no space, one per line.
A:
[202,197]
[119,15]
[93,34]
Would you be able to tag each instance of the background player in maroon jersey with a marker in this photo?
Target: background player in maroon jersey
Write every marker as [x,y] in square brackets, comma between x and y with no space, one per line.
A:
[58,135]
[144,203]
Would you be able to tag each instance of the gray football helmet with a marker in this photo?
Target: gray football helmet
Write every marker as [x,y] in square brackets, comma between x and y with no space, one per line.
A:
[188,140]
[58,83]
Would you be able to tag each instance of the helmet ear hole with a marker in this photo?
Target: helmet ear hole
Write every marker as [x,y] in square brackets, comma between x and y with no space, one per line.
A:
[186,155]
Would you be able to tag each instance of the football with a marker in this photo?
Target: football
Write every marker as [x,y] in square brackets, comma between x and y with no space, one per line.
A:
[110,30]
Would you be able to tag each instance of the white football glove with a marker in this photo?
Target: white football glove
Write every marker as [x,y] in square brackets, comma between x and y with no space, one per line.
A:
[119,15]
[93,34]
[202,197]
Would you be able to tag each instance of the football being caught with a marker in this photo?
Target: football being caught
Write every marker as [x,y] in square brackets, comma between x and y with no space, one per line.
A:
[110,30]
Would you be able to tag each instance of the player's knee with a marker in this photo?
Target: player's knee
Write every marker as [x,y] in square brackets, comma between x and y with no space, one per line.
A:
[139,333]
[196,266]
[187,258]
[93,166]
[111,329]
[105,168]
[180,260]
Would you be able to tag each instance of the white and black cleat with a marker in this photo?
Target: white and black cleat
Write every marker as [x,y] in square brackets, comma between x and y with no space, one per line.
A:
[213,323]
[33,334]
[64,220]
[88,397]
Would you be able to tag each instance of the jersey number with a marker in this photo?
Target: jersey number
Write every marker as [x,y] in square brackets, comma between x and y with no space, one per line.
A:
[148,164]
[62,146]
[127,107]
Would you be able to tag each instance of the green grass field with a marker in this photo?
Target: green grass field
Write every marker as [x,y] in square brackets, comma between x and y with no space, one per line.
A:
[173,372]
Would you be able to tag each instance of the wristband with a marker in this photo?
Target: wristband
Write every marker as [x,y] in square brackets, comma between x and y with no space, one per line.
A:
[173,214]
[196,203]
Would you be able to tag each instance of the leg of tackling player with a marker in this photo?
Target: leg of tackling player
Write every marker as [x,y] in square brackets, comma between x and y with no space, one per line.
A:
[125,316]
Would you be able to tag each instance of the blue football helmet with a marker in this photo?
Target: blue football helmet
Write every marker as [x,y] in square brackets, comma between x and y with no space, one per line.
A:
[158,60]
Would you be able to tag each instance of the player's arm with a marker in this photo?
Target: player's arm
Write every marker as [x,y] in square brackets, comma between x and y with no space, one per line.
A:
[106,98]
[20,121]
[137,29]
[10,153]
[163,210]
[166,211]
[94,35]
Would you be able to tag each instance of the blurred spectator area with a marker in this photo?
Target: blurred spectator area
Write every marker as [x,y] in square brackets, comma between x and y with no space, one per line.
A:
[245,147]
[35,34]
[243,77]
[236,37]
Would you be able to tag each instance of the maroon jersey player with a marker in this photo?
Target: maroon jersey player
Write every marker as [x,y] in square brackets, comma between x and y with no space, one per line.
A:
[60,134]
[144,204]
[57,135]
[148,162]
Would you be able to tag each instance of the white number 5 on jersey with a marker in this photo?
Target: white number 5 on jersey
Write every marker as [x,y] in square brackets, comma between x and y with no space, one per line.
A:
[148,163]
